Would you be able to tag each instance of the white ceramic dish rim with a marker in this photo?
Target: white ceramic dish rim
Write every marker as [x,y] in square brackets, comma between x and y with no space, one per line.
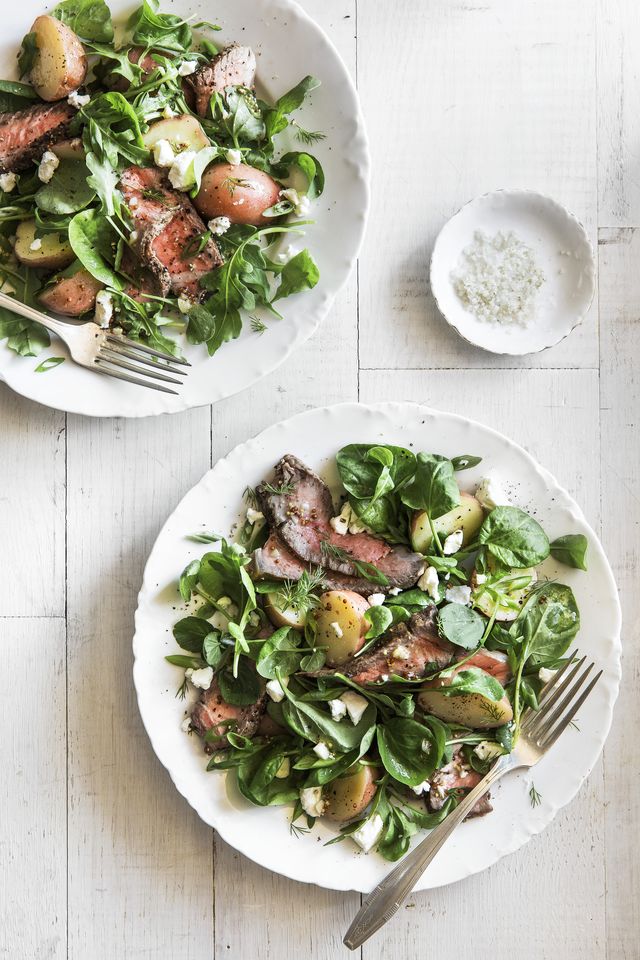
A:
[612,666]
[127,401]
[570,216]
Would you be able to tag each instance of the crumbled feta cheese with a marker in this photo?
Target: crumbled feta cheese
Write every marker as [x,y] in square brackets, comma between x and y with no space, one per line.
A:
[421,788]
[488,750]
[104,308]
[133,236]
[369,833]
[275,691]
[301,204]
[453,542]
[286,254]
[227,603]
[347,521]
[480,579]
[36,244]
[376,599]
[430,583]
[187,67]
[254,516]
[254,619]
[219,225]
[133,202]
[322,750]
[338,709]
[355,704]
[163,155]
[185,726]
[8,181]
[401,653]
[312,802]
[47,166]
[546,675]
[78,100]
[460,595]
[337,629]
[234,157]
[200,678]
[284,769]
[184,304]
[168,113]
[181,173]
[490,493]
[395,591]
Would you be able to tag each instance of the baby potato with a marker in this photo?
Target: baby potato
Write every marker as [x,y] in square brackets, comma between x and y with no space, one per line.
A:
[52,253]
[60,64]
[239,192]
[283,616]
[348,797]
[340,624]
[69,149]
[71,296]
[469,709]
[181,132]
[468,517]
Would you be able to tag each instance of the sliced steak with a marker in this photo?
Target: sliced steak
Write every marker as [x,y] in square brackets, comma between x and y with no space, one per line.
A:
[491,661]
[25,135]
[301,516]
[235,66]
[167,223]
[212,712]
[275,561]
[455,776]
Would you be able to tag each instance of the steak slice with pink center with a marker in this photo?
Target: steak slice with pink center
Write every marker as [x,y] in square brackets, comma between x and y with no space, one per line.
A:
[213,713]
[456,776]
[26,134]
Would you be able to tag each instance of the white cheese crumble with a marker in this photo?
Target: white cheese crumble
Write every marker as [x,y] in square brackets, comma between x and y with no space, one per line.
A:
[36,244]
[301,204]
[185,726]
[347,521]
[337,629]
[487,750]
[104,308]
[163,155]
[133,236]
[395,591]
[369,833]
[168,113]
[187,67]
[490,493]
[430,583]
[200,678]
[453,543]
[401,653]
[8,182]
[286,254]
[338,709]
[376,599]
[254,516]
[322,750]
[275,691]
[47,166]
[184,304]
[460,595]
[219,225]
[181,172]
[311,801]
[421,788]
[355,704]
[234,157]
[284,769]
[78,100]
[546,675]
[498,279]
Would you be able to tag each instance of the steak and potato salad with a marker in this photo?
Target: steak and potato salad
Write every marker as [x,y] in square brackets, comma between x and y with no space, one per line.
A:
[367,660]
[141,181]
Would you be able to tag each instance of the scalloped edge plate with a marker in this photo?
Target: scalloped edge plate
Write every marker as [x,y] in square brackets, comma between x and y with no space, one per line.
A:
[215,503]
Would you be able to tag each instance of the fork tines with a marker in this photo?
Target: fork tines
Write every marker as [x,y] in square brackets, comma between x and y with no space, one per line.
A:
[557,705]
[120,357]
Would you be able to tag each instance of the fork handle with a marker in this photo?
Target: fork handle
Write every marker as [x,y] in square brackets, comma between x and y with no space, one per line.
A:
[388,896]
[30,313]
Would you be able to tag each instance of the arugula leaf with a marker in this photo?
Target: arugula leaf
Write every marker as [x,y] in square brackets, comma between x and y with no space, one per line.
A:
[571,550]
[514,538]
[49,364]
[164,31]
[300,273]
[433,488]
[91,238]
[461,625]
[90,19]
[15,96]
[113,129]
[68,190]
[474,680]
[308,165]
[27,55]
[276,118]
[243,118]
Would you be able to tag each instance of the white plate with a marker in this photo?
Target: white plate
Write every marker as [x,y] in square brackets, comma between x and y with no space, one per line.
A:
[289,45]
[216,504]
[562,251]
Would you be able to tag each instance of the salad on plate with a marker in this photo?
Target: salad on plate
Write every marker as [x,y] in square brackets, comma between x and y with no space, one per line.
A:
[366,660]
[143,181]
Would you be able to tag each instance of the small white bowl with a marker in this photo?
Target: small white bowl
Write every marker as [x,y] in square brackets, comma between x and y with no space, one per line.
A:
[562,251]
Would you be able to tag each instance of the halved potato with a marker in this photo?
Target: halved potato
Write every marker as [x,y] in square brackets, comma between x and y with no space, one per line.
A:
[69,149]
[348,797]
[283,616]
[468,517]
[53,253]
[485,602]
[71,296]
[469,709]
[241,193]
[340,624]
[181,132]
[60,64]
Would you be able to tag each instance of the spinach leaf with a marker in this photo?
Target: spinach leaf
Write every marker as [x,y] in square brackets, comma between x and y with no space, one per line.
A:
[49,364]
[276,118]
[369,471]
[68,190]
[243,117]
[242,690]
[309,166]
[91,238]
[380,619]
[27,55]
[15,96]
[300,273]
[90,19]
[465,462]
[474,680]
[256,774]
[188,580]
[514,538]
[549,621]
[461,625]
[313,723]
[279,654]
[433,487]
[190,633]
[401,743]
[213,649]
[571,550]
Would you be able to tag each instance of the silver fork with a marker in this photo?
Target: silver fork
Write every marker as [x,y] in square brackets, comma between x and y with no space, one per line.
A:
[110,354]
[538,732]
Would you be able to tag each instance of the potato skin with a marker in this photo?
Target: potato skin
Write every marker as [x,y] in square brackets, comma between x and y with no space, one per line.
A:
[54,253]
[71,296]
[348,797]
[61,64]
[182,131]
[69,149]
[347,609]
[241,193]
[283,617]
[468,517]
[468,709]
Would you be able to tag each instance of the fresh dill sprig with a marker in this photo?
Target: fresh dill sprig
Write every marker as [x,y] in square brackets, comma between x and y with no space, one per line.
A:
[281,491]
[308,137]
[249,496]
[204,537]
[534,796]
[258,325]
[300,595]
[366,570]
[181,692]
[296,831]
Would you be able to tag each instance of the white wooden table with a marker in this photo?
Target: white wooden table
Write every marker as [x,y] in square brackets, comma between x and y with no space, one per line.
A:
[99,856]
